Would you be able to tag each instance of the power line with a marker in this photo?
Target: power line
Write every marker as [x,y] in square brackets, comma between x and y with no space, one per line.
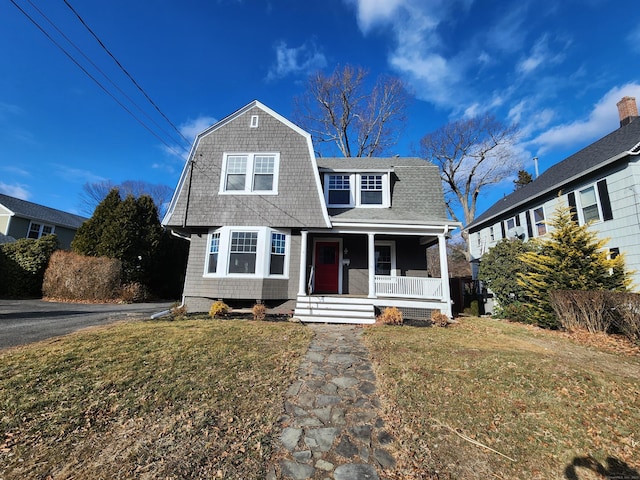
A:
[102,72]
[124,70]
[84,70]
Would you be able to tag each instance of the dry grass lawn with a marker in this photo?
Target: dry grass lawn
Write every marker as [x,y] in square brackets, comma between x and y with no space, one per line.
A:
[538,404]
[147,400]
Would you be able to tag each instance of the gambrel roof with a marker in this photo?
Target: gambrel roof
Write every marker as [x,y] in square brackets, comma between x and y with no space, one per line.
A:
[40,213]
[617,145]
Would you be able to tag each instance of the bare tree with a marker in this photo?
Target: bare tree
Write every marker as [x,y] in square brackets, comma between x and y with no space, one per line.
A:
[340,113]
[93,193]
[471,154]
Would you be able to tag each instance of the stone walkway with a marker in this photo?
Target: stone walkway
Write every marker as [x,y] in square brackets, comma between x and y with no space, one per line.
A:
[331,428]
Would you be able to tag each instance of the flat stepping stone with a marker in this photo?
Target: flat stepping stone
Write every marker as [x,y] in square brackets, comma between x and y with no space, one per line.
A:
[354,471]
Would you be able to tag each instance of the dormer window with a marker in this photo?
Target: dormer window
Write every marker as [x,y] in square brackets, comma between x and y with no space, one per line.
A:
[357,189]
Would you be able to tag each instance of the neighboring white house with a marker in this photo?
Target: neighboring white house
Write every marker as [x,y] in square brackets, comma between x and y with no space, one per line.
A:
[600,182]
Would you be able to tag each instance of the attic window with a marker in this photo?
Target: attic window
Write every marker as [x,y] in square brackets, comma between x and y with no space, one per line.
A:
[250,173]
[254,121]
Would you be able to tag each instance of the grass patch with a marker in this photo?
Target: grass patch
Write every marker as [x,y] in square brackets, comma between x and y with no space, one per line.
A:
[556,408]
[184,399]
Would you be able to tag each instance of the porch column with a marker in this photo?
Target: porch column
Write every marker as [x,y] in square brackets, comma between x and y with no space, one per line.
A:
[372,265]
[444,274]
[302,281]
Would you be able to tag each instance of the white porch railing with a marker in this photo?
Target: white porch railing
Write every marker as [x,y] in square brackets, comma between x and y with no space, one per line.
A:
[408,287]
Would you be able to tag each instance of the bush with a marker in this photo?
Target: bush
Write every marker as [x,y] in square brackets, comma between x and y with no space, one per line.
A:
[516,312]
[259,311]
[439,319]
[626,315]
[70,276]
[23,264]
[178,312]
[219,309]
[134,292]
[390,316]
[583,309]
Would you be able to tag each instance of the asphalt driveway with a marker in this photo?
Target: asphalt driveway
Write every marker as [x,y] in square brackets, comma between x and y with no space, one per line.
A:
[26,321]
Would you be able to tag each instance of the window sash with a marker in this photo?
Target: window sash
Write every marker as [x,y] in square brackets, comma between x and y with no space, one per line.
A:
[538,220]
[383,259]
[589,205]
[214,249]
[34,231]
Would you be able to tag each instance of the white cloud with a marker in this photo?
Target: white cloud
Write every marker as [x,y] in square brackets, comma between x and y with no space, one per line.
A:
[296,60]
[372,12]
[16,170]
[76,175]
[192,127]
[542,55]
[17,191]
[603,119]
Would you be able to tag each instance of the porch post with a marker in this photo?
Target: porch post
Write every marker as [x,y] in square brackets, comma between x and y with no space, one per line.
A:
[372,265]
[444,274]
[302,281]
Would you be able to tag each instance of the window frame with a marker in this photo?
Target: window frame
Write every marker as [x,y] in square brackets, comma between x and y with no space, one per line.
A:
[262,254]
[355,189]
[40,230]
[392,249]
[580,207]
[250,173]
[537,224]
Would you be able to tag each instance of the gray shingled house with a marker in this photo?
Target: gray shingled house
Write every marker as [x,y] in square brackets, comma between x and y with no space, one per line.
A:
[22,219]
[335,238]
[601,183]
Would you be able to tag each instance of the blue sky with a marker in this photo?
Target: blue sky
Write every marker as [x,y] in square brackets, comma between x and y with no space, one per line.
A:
[556,68]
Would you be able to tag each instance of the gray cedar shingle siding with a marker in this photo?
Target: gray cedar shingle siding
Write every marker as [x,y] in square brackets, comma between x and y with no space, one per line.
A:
[417,195]
[589,159]
[297,203]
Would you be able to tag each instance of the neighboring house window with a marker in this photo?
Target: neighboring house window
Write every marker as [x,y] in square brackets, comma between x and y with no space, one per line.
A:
[385,258]
[538,221]
[242,256]
[511,223]
[614,253]
[214,249]
[589,205]
[492,234]
[371,189]
[38,230]
[339,190]
[250,173]
[278,251]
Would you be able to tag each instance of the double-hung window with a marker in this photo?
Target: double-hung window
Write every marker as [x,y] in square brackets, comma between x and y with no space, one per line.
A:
[243,252]
[371,189]
[250,173]
[278,251]
[589,205]
[38,230]
[339,190]
[214,249]
[538,220]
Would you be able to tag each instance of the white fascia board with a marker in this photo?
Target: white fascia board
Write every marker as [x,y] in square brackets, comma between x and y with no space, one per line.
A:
[632,152]
[397,229]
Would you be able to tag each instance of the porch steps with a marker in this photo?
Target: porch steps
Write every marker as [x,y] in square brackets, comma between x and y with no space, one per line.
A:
[327,309]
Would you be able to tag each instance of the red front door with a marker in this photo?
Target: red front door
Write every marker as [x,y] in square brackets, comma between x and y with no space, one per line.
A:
[327,268]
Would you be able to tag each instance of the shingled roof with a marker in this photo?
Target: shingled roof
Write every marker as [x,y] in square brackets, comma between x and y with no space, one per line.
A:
[417,196]
[617,145]
[33,211]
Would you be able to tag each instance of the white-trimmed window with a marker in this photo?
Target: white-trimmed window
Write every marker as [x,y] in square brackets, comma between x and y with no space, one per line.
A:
[357,189]
[38,230]
[243,252]
[589,205]
[250,173]
[339,190]
[510,223]
[214,249]
[492,234]
[539,221]
[371,189]
[258,252]
[278,253]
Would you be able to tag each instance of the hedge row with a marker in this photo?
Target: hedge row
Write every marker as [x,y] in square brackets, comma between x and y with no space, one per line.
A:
[22,266]
[599,311]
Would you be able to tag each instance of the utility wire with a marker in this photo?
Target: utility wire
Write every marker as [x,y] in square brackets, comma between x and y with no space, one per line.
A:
[93,78]
[103,73]
[124,70]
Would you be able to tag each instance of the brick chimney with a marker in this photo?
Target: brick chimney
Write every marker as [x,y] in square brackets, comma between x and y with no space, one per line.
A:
[628,110]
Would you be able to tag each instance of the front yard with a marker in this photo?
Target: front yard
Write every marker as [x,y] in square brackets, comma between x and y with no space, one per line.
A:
[538,404]
[201,399]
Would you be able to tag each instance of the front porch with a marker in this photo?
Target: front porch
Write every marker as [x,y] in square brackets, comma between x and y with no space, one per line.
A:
[349,273]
